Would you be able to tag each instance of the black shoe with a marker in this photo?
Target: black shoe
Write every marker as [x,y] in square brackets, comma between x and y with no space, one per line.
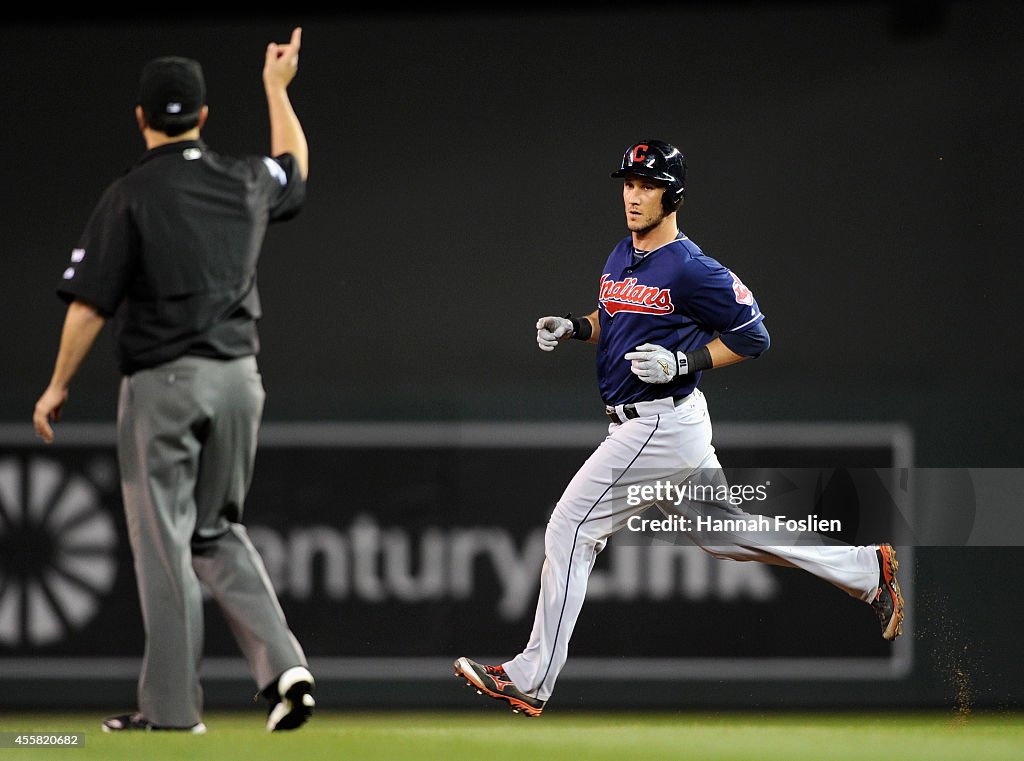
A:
[888,602]
[291,699]
[494,682]
[138,722]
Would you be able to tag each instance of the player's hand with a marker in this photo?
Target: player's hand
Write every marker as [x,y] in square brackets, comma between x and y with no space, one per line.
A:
[653,364]
[282,60]
[48,411]
[551,330]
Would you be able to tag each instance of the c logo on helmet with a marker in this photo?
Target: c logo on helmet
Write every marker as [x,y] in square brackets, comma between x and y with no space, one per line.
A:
[639,154]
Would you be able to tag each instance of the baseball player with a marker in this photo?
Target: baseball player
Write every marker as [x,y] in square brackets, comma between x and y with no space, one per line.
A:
[170,252]
[666,314]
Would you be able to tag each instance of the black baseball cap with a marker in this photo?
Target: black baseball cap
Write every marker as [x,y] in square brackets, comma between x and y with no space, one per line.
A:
[172,91]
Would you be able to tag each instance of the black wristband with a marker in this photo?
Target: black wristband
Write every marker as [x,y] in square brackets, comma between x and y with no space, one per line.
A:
[581,327]
[694,361]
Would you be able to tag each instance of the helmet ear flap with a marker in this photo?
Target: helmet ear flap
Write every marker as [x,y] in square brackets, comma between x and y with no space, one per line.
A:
[672,198]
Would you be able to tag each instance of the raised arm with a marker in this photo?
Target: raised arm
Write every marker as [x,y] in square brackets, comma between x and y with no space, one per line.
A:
[279,69]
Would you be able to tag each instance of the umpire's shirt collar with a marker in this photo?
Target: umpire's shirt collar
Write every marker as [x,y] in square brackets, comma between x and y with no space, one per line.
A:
[169,148]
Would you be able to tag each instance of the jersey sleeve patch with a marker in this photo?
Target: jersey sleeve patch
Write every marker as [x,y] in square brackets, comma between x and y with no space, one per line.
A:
[743,294]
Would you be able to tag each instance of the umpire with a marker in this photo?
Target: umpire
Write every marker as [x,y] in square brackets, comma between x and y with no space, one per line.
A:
[170,254]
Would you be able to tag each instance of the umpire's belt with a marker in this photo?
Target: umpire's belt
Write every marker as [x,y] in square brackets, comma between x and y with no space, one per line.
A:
[620,413]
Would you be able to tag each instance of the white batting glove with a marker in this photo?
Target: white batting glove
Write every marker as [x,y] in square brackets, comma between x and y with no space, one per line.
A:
[551,330]
[653,364]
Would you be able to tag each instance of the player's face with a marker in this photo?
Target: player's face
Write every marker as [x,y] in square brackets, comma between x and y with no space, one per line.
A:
[642,198]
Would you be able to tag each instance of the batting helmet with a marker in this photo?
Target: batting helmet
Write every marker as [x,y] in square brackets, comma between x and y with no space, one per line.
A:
[659,161]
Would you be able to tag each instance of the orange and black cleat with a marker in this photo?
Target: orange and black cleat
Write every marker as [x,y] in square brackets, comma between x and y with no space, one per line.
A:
[494,682]
[888,602]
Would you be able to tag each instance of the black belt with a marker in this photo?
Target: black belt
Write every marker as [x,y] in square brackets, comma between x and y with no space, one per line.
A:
[628,410]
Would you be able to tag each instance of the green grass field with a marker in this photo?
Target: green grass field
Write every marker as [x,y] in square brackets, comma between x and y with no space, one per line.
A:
[420,736]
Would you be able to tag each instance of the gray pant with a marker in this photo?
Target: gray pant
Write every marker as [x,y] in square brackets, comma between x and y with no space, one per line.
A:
[186,445]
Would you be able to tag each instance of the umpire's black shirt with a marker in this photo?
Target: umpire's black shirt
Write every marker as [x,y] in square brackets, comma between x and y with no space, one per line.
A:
[170,251]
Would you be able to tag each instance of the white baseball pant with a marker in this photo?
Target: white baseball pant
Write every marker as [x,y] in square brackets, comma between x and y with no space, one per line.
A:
[667,442]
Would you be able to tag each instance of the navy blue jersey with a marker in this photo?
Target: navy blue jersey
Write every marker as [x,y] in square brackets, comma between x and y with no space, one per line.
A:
[675,297]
